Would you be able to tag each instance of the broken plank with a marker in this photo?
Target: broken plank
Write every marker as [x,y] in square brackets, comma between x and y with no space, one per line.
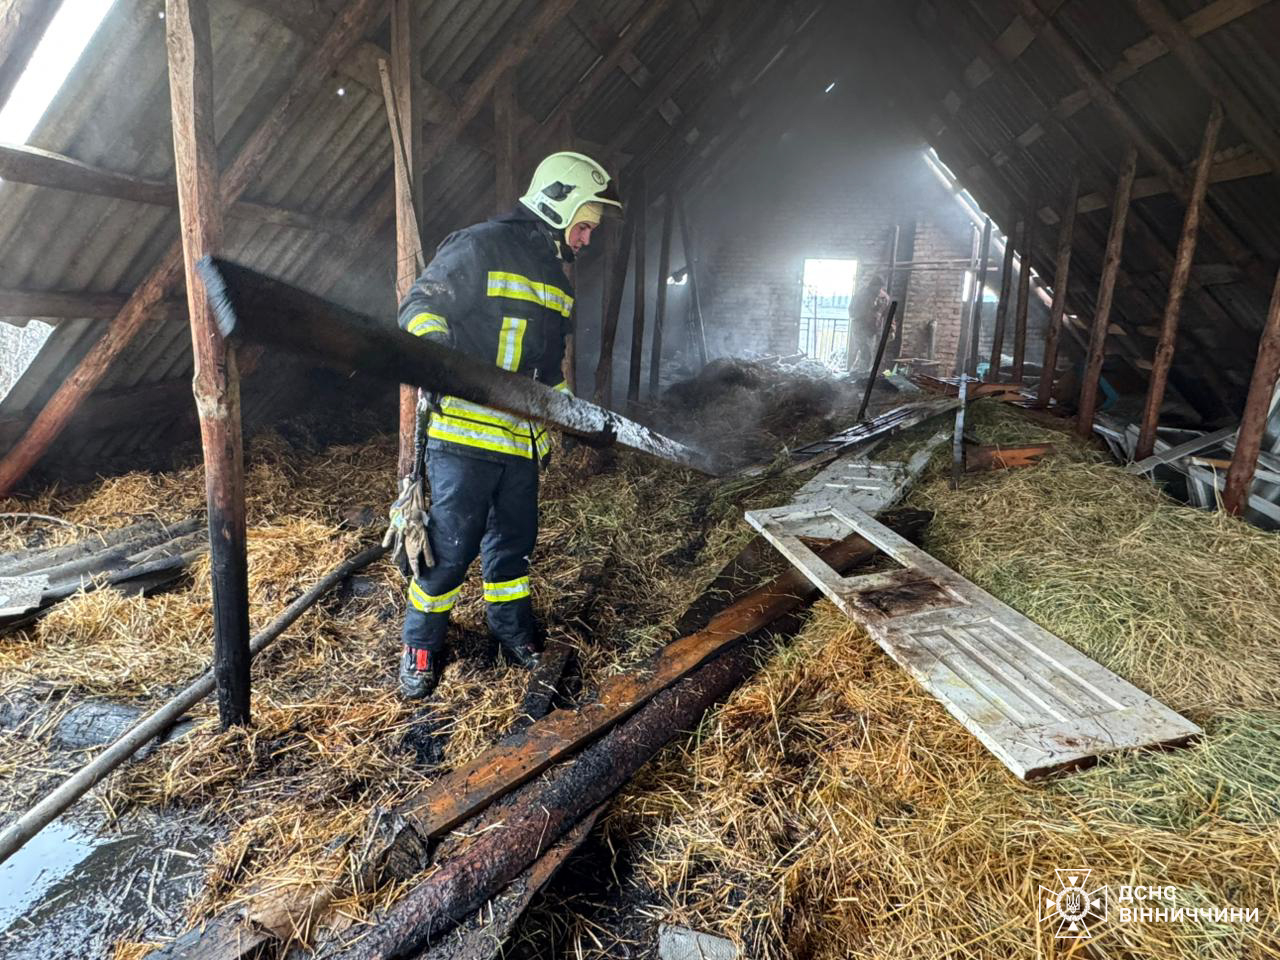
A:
[1035,702]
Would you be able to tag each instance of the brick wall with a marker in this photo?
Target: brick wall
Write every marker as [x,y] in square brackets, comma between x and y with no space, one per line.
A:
[815,195]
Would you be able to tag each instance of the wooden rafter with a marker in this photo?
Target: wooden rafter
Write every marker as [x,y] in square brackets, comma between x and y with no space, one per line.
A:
[43,168]
[357,18]
[1014,40]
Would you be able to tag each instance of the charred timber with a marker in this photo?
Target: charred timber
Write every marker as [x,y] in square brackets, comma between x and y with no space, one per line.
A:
[546,812]
[253,308]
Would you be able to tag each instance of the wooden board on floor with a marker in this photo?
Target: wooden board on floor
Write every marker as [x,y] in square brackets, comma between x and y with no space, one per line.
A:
[1037,703]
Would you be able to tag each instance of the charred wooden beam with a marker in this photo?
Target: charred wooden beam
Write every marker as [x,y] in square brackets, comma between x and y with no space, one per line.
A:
[615,281]
[1163,359]
[1061,275]
[506,128]
[1106,291]
[1253,423]
[55,305]
[216,381]
[356,19]
[252,308]
[638,205]
[660,312]
[43,168]
[1029,225]
[698,330]
[545,810]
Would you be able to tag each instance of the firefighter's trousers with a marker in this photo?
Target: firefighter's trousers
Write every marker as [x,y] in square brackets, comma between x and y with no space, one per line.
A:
[477,506]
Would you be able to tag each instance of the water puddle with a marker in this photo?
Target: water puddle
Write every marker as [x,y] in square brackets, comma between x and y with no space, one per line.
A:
[47,858]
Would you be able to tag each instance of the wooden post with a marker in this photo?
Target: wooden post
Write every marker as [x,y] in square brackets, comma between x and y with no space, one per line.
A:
[1177,288]
[979,289]
[638,289]
[505,124]
[697,329]
[1256,408]
[1061,274]
[660,315]
[216,381]
[617,281]
[1024,293]
[889,280]
[405,116]
[1002,310]
[1106,292]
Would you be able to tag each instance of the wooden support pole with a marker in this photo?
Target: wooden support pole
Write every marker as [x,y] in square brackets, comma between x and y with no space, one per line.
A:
[1106,292]
[1061,274]
[1002,310]
[890,280]
[638,290]
[617,281]
[1253,423]
[404,116]
[355,20]
[1177,288]
[216,381]
[1024,293]
[22,25]
[506,123]
[979,292]
[696,327]
[660,314]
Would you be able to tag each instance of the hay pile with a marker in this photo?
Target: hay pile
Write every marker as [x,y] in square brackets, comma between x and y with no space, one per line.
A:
[832,809]
[745,408]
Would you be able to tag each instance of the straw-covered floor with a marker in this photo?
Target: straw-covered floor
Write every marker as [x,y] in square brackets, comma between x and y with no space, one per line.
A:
[831,808]
[621,554]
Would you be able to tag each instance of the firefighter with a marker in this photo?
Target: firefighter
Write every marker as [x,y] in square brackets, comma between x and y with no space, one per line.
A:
[496,291]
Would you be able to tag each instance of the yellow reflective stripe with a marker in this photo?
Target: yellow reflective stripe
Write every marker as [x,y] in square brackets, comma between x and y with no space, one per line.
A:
[478,435]
[543,444]
[506,591]
[511,342]
[426,603]
[474,411]
[563,387]
[424,323]
[517,287]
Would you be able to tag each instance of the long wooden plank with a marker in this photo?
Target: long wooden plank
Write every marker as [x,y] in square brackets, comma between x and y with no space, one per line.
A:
[460,794]
[356,19]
